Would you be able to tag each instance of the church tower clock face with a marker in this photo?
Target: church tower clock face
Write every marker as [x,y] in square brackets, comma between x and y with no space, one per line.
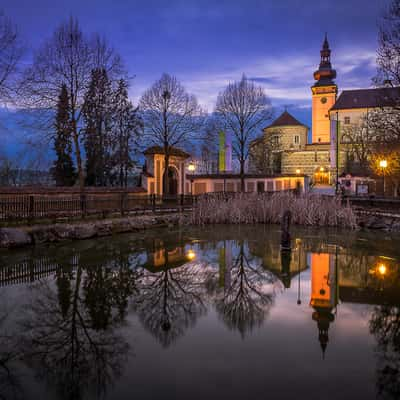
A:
[324,94]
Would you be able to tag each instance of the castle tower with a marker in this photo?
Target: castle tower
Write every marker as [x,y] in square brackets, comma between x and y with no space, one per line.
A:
[324,94]
[323,294]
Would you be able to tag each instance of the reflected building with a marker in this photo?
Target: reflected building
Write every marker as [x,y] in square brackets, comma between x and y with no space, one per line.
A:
[323,293]
[160,256]
[284,265]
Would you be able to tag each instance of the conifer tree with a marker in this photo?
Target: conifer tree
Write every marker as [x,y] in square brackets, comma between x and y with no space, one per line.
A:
[63,170]
[97,112]
[126,128]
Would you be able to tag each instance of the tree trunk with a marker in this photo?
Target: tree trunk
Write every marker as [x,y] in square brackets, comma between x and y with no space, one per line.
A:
[242,184]
[78,161]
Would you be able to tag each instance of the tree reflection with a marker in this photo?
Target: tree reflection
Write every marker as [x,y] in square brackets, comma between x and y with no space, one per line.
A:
[10,387]
[243,304]
[70,336]
[385,325]
[170,301]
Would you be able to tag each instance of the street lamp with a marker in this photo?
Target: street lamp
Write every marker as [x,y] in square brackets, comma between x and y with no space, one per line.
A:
[382,269]
[191,255]
[383,164]
[191,169]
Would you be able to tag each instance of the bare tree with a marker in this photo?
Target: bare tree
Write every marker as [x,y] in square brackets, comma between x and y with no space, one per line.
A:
[171,116]
[10,55]
[388,54]
[209,147]
[67,58]
[245,109]
[262,151]
[359,141]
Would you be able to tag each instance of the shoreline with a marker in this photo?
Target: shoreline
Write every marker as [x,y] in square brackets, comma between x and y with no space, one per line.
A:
[31,235]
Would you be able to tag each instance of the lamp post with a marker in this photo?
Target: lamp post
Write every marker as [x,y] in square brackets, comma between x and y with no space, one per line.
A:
[383,164]
[191,169]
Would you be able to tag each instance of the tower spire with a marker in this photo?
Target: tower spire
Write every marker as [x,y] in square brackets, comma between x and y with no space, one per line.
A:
[325,74]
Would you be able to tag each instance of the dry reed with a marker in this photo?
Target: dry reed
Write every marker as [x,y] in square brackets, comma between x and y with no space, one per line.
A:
[250,208]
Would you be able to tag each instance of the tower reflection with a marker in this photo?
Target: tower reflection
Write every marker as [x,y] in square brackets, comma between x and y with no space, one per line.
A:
[323,294]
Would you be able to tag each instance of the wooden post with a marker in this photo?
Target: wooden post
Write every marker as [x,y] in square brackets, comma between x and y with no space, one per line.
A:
[31,213]
[122,203]
[285,227]
[83,204]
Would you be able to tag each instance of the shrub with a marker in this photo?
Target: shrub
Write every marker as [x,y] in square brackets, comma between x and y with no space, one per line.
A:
[250,208]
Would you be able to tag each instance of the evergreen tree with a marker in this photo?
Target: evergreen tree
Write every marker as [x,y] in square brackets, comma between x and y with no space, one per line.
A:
[97,112]
[126,128]
[63,170]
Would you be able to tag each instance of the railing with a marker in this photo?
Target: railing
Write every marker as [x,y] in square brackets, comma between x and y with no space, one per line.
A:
[376,203]
[21,207]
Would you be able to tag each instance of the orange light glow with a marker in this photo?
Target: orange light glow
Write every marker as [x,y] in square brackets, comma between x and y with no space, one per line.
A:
[191,255]
[383,163]
[382,269]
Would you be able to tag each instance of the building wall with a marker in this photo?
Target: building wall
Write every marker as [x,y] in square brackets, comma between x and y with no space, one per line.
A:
[155,166]
[323,99]
[207,185]
[307,161]
[287,136]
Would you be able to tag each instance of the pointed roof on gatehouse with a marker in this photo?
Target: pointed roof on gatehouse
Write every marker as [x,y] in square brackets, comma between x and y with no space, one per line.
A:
[285,119]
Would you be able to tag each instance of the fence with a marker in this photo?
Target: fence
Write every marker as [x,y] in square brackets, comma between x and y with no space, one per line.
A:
[22,207]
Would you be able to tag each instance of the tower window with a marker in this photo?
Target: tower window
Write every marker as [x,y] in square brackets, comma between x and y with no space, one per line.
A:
[347,120]
[275,140]
[296,139]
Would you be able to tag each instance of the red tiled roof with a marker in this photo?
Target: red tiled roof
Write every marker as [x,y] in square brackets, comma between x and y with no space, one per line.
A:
[285,119]
[368,98]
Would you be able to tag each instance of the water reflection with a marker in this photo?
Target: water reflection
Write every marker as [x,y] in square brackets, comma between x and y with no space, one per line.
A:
[171,292]
[67,328]
[244,301]
[324,292]
[72,327]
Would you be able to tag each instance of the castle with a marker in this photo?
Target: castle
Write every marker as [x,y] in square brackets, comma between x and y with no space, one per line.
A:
[283,157]
[286,139]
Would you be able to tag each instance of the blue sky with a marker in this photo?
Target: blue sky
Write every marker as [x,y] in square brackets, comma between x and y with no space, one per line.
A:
[208,43]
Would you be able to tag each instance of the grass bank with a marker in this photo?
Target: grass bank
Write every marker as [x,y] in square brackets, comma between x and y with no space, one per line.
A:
[249,208]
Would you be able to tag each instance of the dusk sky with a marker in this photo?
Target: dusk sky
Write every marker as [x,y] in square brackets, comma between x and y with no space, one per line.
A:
[208,43]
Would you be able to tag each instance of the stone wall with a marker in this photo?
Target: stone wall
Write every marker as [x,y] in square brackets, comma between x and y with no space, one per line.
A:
[287,136]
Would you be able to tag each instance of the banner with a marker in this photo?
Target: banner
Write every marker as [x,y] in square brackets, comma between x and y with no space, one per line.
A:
[333,143]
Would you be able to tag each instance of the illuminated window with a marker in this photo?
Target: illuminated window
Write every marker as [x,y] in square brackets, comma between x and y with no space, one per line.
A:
[347,120]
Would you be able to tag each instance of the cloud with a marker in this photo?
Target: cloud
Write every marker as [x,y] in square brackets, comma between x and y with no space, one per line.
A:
[286,79]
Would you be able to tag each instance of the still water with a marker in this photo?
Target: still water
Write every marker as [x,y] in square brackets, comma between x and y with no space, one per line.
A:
[216,313]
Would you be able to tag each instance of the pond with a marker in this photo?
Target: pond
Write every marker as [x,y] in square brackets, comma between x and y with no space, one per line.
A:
[214,312]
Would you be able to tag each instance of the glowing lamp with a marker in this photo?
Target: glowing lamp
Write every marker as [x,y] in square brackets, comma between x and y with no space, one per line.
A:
[298,171]
[321,169]
[383,163]
[382,269]
[191,167]
[191,255]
